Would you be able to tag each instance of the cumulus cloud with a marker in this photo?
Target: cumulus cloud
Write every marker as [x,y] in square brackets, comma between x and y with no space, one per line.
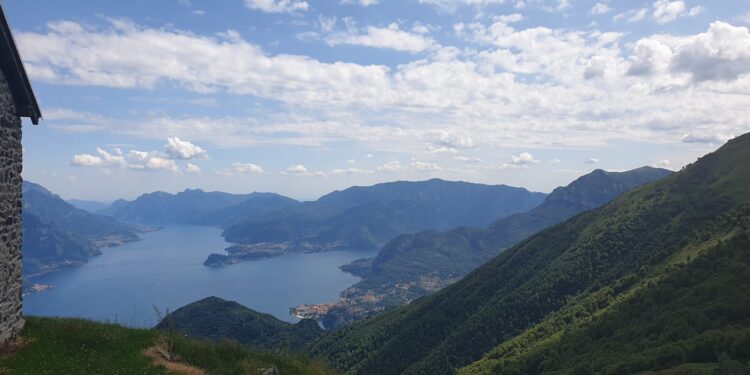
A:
[277,6]
[391,166]
[633,15]
[600,8]
[301,170]
[666,11]
[87,160]
[453,139]
[192,168]
[133,160]
[451,5]
[364,3]
[179,149]
[421,166]
[591,161]
[348,171]
[708,138]
[390,37]
[720,54]
[517,87]
[523,158]
[663,163]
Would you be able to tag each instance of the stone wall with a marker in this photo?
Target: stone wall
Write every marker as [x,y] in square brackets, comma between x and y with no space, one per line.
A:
[11,233]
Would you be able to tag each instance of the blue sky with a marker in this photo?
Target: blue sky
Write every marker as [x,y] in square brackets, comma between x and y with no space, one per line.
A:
[303,97]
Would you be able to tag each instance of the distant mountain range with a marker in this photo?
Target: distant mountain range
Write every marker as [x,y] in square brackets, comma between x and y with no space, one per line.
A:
[655,281]
[414,265]
[195,206]
[90,206]
[58,235]
[365,218]
[216,319]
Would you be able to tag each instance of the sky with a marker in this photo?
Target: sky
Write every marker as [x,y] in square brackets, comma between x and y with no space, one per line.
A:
[303,97]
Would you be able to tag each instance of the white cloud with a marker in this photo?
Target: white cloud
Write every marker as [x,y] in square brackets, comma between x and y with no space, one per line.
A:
[708,138]
[696,10]
[512,87]
[277,6]
[157,163]
[241,168]
[192,168]
[391,37]
[87,160]
[600,8]
[633,15]
[364,3]
[667,11]
[523,159]
[369,156]
[138,160]
[179,149]
[297,169]
[247,168]
[663,163]
[553,161]
[425,167]
[720,54]
[451,5]
[392,166]
[349,171]
[301,170]
[591,161]
[454,139]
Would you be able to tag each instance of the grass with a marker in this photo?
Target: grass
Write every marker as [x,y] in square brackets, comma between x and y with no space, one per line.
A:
[75,346]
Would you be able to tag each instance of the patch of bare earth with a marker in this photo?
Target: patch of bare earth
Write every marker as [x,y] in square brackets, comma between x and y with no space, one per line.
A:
[161,357]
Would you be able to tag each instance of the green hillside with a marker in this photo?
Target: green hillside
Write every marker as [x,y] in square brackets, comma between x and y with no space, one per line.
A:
[414,265]
[658,276]
[71,346]
[58,235]
[214,318]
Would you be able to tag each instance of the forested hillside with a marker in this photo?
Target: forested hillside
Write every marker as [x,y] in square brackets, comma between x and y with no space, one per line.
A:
[58,235]
[414,265]
[656,279]
[366,217]
[217,319]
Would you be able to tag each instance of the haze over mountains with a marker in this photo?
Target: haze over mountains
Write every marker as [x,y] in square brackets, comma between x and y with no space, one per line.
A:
[657,279]
[58,235]
[414,265]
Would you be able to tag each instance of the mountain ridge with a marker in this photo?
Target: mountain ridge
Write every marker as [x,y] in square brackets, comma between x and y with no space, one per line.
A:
[693,219]
[414,265]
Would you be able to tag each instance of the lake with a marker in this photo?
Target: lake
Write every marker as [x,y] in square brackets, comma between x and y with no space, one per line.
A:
[165,270]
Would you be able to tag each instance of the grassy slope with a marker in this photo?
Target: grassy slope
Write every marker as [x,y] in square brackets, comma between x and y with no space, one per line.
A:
[73,346]
[635,237]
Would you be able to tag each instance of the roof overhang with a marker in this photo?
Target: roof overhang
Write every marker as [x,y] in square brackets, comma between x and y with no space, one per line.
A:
[15,74]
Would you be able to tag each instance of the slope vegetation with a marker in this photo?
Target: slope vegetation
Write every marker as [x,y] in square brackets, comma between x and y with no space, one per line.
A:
[216,319]
[366,217]
[531,308]
[58,235]
[414,265]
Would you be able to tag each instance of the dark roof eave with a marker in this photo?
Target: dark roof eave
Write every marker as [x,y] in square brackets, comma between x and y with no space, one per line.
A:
[15,74]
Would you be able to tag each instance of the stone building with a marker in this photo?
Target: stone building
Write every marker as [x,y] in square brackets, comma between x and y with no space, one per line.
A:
[16,101]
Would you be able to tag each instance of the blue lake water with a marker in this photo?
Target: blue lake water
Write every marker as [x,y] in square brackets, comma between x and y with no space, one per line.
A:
[166,270]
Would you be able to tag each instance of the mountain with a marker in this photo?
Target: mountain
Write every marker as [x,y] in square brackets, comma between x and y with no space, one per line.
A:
[414,265]
[365,218]
[58,235]
[657,279]
[216,319]
[195,206]
[90,206]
